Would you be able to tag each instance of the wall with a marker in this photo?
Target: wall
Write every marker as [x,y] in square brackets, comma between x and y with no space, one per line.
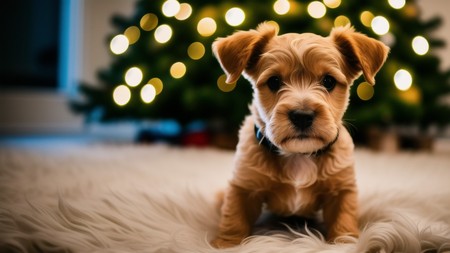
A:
[33,111]
[97,26]
[25,111]
[431,8]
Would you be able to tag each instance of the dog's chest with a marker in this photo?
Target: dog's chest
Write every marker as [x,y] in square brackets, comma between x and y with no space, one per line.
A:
[287,200]
[293,191]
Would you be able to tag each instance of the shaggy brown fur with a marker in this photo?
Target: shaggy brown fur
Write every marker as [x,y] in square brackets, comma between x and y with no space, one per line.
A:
[295,181]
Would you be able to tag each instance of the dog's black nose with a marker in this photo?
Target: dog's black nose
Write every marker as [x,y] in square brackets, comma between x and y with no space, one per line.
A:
[301,119]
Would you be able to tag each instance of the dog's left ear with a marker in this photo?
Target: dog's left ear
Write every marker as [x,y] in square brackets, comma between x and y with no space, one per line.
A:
[242,49]
[361,52]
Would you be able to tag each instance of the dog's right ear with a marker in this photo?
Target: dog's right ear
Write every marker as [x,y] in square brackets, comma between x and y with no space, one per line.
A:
[241,50]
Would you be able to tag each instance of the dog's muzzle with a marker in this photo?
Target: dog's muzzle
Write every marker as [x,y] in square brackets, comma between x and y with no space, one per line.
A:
[265,142]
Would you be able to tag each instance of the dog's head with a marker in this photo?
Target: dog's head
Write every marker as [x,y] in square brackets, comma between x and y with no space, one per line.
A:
[301,81]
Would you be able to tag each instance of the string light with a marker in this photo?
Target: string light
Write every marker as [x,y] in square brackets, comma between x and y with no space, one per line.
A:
[380,25]
[133,76]
[411,11]
[148,22]
[177,70]
[121,95]
[274,24]
[332,3]
[196,50]
[388,39]
[420,45]
[132,33]
[341,21]
[397,4]
[281,7]
[402,80]
[365,91]
[163,33]
[185,12]
[148,93]
[157,84]
[412,95]
[206,27]
[223,85]
[170,8]
[317,9]
[119,44]
[235,16]
[366,18]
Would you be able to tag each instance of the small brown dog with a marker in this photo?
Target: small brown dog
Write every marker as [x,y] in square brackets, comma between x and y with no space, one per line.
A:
[294,154]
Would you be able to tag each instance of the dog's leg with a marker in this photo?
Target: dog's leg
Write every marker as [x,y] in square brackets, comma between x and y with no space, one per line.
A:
[340,215]
[239,212]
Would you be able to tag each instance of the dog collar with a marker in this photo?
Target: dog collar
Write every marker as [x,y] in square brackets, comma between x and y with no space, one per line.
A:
[262,140]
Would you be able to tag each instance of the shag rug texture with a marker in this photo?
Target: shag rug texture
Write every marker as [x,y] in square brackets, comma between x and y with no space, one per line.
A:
[155,198]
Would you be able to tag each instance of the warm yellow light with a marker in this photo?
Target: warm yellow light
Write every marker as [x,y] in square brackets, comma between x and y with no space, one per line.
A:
[121,95]
[148,22]
[341,21]
[317,9]
[412,95]
[281,7]
[380,25]
[206,27]
[148,93]
[397,4]
[157,83]
[332,3]
[178,70]
[196,50]
[402,79]
[185,12]
[119,44]
[365,91]
[170,8]
[223,85]
[274,24]
[163,33]
[235,16]
[133,76]
[366,18]
[132,33]
[411,11]
[420,45]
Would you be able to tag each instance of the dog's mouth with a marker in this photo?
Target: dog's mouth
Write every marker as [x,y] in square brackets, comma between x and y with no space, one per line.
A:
[307,143]
[301,137]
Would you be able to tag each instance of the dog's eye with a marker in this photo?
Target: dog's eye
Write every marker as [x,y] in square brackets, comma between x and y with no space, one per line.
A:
[274,83]
[328,82]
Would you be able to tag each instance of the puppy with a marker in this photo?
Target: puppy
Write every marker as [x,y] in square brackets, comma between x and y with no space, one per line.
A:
[294,155]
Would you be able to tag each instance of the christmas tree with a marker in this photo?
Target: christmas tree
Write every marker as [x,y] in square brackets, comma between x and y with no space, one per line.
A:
[163,66]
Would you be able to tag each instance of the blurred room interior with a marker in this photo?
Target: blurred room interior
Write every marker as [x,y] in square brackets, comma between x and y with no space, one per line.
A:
[52,46]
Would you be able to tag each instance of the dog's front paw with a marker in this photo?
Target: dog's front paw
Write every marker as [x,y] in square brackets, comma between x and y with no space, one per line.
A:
[220,243]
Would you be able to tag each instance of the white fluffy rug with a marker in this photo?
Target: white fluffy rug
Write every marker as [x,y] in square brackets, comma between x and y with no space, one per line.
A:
[143,198]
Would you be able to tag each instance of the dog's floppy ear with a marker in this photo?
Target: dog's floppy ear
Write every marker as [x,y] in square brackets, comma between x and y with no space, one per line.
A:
[361,52]
[241,50]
